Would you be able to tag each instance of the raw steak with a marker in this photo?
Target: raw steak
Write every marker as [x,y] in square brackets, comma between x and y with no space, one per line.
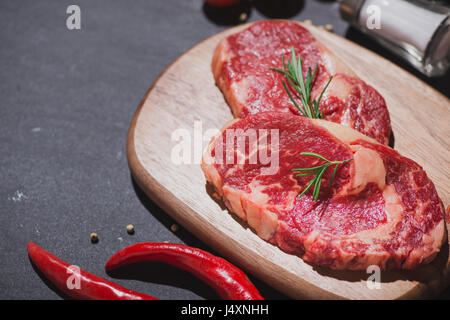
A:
[241,65]
[381,208]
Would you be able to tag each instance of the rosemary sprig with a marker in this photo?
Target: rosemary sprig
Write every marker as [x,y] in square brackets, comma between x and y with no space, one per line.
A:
[318,172]
[294,75]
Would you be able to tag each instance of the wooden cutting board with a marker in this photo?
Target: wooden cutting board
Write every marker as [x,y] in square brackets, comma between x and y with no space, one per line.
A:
[185,97]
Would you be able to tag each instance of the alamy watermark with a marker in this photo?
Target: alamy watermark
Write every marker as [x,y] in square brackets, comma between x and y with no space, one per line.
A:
[73,21]
[374,280]
[74,280]
[373,20]
[233,146]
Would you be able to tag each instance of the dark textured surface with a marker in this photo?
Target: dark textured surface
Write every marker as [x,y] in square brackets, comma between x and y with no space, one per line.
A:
[66,100]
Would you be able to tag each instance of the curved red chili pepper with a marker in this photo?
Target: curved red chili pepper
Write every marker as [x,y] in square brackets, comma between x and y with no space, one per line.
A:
[92,287]
[227,280]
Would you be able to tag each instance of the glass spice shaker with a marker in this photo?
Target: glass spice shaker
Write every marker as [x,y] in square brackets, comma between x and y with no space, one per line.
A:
[418,31]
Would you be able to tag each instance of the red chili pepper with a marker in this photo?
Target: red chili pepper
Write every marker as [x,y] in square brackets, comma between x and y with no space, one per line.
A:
[227,280]
[91,286]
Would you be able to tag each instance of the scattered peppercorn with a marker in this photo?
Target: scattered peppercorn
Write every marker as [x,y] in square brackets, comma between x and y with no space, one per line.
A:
[94,237]
[243,17]
[329,27]
[130,229]
[174,228]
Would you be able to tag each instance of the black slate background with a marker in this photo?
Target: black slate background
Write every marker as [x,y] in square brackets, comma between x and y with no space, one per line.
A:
[66,101]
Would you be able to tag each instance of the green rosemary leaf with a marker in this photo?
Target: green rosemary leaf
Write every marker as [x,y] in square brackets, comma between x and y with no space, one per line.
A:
[306,174]
[318,183]
[307,169]
[316,103]
[307,187]
[292,99]
[293,71]
[334,174]
[318,172]
[313,154]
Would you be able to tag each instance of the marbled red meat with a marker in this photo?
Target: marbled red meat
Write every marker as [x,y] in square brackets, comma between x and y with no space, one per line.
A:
[381,208]
[241,65]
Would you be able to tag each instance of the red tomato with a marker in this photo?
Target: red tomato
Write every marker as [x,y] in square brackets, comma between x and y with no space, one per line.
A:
[221,3]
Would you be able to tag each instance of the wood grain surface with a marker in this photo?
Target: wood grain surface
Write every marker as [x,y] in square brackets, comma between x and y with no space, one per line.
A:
[185,97]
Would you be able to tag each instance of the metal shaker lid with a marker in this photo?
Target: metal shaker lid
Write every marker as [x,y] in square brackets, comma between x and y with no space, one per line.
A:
[349,9]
